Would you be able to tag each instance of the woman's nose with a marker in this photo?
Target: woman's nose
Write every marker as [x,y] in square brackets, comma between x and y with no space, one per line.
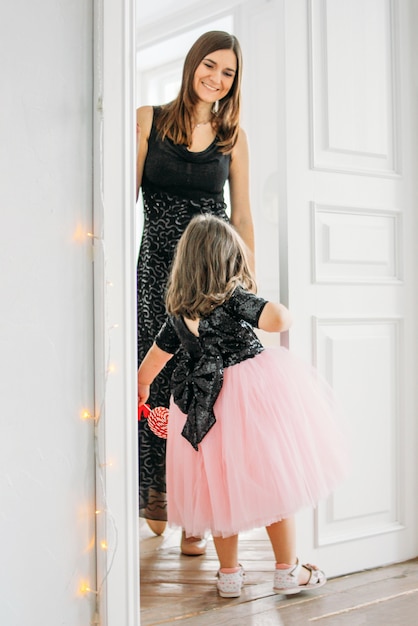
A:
[216,75]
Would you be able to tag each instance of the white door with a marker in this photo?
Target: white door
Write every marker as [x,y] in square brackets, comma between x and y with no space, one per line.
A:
[328,108]
[351,164]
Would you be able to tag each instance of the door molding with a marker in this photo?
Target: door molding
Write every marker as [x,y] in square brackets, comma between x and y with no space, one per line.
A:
[115,313]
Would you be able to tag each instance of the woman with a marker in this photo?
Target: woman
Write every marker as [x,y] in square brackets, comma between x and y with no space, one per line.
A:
[187,150]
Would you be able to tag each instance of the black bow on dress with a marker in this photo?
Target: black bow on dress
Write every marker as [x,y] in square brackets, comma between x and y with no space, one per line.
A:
[196,385]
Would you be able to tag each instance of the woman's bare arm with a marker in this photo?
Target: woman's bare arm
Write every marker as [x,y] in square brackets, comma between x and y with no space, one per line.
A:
[144,117]
[241,217]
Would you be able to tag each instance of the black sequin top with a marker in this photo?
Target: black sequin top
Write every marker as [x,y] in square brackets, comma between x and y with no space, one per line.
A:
[226,337]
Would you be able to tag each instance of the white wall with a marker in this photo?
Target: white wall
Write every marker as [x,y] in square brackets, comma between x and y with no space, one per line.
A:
[46,313]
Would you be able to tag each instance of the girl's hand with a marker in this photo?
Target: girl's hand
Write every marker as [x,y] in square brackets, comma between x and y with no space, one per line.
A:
[143,394]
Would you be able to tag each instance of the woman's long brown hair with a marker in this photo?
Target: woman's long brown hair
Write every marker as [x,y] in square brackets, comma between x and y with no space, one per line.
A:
[210,262]
[175,120]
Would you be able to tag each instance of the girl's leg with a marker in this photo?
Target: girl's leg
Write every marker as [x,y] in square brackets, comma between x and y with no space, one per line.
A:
[282,536]
[227,551]
[230,574]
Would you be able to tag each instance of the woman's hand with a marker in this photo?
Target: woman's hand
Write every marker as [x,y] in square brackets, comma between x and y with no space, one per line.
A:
[138,137]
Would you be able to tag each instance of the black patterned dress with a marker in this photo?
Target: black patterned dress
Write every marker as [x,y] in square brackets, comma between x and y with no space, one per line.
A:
[176,185]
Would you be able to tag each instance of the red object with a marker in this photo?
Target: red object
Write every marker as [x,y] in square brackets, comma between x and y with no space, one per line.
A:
[157,419]
[143,411]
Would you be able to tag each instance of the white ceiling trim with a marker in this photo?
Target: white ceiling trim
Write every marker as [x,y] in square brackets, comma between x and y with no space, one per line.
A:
[151,30]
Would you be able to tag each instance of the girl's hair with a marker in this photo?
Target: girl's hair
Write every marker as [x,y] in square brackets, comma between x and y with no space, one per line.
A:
[175,121]
[209,263]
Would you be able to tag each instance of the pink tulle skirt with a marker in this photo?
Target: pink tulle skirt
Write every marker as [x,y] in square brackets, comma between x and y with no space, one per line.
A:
[277,446]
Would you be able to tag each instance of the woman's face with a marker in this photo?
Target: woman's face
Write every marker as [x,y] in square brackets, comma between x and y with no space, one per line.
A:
[215,75]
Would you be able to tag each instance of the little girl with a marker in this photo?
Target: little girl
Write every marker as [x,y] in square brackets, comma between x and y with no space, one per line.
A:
[252,433]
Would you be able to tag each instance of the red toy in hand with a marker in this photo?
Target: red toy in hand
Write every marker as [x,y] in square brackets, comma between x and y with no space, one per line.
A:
[157,419]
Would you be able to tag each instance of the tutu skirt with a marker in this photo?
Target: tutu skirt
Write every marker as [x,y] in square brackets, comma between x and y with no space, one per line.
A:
[277,446]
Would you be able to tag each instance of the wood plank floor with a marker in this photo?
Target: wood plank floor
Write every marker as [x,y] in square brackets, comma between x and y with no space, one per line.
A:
[176,589]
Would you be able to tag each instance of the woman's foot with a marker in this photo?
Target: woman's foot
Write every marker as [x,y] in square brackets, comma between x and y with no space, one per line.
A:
[157,526]
[292,579]
[192,546]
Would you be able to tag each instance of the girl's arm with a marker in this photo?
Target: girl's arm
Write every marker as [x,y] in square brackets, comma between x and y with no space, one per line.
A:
[144,117]
[151,366]
[239,187]
[275,318]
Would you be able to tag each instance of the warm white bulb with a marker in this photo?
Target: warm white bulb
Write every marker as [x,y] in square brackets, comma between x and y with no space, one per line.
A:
[84,587]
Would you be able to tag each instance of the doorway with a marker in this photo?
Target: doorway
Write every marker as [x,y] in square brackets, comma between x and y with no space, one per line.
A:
[334,220]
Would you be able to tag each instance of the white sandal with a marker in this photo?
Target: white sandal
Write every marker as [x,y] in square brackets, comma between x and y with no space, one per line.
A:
[230,585]
[286,581]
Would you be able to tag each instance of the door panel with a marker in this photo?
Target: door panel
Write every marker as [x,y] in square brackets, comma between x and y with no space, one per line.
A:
[349,215]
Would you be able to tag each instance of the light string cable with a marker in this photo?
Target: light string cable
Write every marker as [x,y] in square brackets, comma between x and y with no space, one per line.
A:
[100,303]
[100,463]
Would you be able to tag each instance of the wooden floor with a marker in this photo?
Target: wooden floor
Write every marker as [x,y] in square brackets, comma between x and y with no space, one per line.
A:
[181,590]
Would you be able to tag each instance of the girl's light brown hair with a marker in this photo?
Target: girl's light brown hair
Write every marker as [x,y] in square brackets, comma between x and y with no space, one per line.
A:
[175,121]
[209,263]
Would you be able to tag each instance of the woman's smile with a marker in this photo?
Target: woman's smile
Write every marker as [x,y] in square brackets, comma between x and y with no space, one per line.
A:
[215,75]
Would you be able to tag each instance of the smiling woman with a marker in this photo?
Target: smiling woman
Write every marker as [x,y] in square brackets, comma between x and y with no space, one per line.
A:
[187,150]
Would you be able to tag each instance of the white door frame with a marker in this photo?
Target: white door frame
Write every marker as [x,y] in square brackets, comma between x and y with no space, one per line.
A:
[117,541]
[115,311]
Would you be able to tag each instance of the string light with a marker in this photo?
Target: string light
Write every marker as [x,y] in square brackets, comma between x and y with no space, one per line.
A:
[100,497]
[79,233]
[86,415]
[102,516]
[85,588]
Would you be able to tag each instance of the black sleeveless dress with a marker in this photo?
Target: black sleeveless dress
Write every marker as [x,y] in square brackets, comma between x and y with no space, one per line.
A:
[176,185]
